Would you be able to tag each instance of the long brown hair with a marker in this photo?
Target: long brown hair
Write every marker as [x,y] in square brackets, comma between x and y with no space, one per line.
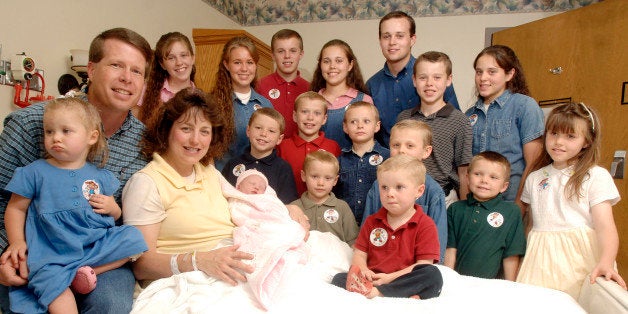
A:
[223,90]
[187,102]
[152,95]
[354,77]
[562,119]
[507,60]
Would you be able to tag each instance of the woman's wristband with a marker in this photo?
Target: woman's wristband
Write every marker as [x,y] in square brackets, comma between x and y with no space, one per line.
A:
[194,261]
[174,266]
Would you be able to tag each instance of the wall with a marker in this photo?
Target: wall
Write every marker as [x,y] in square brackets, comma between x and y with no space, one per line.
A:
[54,27]
[51,28]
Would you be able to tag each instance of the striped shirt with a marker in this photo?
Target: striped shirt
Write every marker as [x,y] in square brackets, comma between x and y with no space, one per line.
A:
[452,137]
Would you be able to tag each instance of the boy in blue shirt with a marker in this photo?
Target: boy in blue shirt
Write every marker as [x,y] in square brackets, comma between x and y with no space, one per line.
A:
[358,164]
[485,232]
[414,138]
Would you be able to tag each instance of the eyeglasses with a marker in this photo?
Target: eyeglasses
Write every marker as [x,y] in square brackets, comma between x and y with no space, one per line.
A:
[590,115]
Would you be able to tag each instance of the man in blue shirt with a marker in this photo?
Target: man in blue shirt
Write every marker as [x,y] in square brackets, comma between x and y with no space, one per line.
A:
[391,87]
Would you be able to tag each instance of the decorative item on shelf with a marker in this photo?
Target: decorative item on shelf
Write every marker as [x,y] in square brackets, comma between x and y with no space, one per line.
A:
[23,69]
[79,58]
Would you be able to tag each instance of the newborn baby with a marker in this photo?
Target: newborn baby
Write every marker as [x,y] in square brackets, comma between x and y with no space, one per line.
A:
[264,229]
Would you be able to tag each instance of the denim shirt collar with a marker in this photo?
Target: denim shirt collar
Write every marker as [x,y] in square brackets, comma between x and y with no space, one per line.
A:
[255,96]
[500,101]
[407,69]
[377,148]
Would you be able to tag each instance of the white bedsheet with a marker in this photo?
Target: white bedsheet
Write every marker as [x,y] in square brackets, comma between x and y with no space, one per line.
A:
[306,290]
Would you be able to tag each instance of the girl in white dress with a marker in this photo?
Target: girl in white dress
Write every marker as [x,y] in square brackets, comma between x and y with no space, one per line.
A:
[573,236]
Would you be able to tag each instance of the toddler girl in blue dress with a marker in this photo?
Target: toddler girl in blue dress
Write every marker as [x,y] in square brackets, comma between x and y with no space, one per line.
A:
[62,213]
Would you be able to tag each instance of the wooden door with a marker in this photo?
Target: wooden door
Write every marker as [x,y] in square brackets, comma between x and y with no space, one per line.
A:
[590,45]
[209,44]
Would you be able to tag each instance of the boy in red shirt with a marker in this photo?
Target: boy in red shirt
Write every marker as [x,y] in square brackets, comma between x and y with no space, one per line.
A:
[284,85]
[310,113]
[397,246]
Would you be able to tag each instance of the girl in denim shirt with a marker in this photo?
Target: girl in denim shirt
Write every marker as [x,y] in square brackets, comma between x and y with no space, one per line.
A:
[339,79]
[504,118]
[235,91]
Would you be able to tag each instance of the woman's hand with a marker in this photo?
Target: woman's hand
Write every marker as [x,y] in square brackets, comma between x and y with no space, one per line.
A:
[226,263]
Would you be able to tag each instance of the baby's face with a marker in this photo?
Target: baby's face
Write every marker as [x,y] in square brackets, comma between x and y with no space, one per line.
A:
[252,184]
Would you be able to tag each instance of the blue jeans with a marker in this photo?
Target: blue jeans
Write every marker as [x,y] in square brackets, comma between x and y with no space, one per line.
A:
[113,294]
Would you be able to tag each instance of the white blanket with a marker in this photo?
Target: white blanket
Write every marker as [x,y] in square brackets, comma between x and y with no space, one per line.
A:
[307,290]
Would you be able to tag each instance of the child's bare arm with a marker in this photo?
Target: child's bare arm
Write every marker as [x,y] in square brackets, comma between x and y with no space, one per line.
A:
[359,259]
[450,257]
[511,267]
[464,182]
[382,278]
[527,218]
[14,221]
[531,151]
[608,240]
[105,205]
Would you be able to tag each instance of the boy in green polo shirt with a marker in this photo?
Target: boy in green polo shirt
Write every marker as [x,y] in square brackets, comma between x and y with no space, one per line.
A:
[485,233]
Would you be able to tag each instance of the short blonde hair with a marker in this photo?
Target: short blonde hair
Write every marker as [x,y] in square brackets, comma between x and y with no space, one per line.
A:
[322,156]
[362,104]
[415,125]
[90,118]
[412,167]
[312,96]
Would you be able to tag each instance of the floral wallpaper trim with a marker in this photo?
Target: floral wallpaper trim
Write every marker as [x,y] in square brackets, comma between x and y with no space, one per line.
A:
[266,12]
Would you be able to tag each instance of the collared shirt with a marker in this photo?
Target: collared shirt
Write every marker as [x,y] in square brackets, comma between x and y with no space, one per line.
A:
[394,94]
[391,250]
[193,214]
[282,95]
[167,93]
[432,202]
[294,149]
[333,215]
[484,234]
[357,175]
[336,114]
[22,142]
[511,121]
[242,113]
[550,207]
[451,143]
[277,171]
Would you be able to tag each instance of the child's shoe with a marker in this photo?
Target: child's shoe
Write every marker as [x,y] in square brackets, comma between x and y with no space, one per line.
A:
[85,280]
[357,282]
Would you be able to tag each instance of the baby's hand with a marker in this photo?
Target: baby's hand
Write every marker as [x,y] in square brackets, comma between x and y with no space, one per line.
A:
[16,252]
[608,272]
[105,205]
